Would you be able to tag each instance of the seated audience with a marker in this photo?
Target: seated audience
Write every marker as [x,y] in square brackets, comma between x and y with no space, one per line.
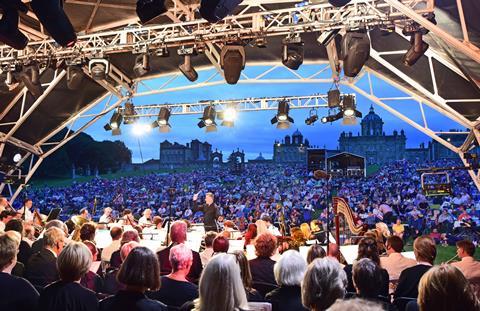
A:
[116,234]
[67,293]
[367,279]
[176,289]
[262,266]
[207,253]
[16,293]
[127,236]
[356,304]
[289,272]
[220,287]
[220,245]
[251,234]
[367,248]
[25,251]
[6,216]
[110,283]
[395,262]
[41,269]
[315,251]
[252,294]
[444,288]
[324,282]
[178,235]
[38,244]
[87,232]
[91,279]
[425,253]
[139,272]
[467,264]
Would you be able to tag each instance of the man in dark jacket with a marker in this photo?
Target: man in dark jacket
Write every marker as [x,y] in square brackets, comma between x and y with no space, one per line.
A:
[210,212]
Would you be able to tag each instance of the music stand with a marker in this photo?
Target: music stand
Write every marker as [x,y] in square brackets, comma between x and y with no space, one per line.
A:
[54,213]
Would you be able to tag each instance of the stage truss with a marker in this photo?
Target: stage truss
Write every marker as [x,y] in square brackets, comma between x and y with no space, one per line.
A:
[244,26]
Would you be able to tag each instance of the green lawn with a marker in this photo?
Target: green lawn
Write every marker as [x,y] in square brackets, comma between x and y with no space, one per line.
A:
[445,253]
[372,169]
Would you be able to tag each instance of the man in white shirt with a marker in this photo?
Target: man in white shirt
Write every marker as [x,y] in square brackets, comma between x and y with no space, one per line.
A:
[146,219]
[106,218]
[271,228]
[395,262]
[116,234]
[468,265]
[25,211]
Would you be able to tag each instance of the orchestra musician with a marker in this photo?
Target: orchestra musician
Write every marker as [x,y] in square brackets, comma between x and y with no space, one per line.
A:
[210,211]
[85,214]
[26,211]
[106,218]
[4,205]
[127,219]
[146,219]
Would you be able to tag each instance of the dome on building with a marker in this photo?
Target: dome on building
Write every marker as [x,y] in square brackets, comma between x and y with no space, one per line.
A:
[372,124]
[260,157]
[372,116]
[297,133]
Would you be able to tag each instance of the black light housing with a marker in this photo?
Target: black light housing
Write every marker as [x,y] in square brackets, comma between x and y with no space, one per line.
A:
[232,61]
[216,10]
[333,97]
[312,118]
[74,77]
[187,69]
[282,118]
[417,49]
[332,118]
[339,3]
[355,51]
[9,32]
[99,68]
[208,119]
[293,52]
[114,124]
[30,76]
[142,65]
[349,110]
[148,10]
[162,120]
[129,113]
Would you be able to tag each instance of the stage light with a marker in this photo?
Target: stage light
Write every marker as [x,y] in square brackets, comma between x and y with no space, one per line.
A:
[232,61]
[17,157]
[139,129]
[417,49]
[9,32]
[162,120]
[51,15]
[142,65]
[30,76]
[74,77]
[332,118]
[293,52]
[114,124]
[148,10]
[350,113]
[282,118]
[99,68]
[355,51]
[208,119]
[229,115]
[339,3]
[187,69]
[333,98]
[216,10]
[129,113]
[327,36]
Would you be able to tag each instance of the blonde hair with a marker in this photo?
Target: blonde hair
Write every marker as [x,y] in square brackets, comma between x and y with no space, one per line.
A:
[9,243]
[444,288]
[261,227]
[74,261]
[424,249]
[53,236]
[306,230]
[221,287]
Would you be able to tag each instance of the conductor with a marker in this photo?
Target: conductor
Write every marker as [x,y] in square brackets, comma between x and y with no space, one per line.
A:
[210,212]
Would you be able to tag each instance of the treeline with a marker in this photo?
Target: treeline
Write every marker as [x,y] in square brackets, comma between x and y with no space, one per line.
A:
[85,155]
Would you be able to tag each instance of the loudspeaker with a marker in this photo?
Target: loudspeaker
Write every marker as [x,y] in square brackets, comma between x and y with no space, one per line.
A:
[9,32]
[52,16]
[216,10]
[147,10]
[355,51]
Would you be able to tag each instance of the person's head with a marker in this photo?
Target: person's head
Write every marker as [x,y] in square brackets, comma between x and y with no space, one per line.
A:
[220,287]
[333,250]
[14,225]
[92,248]
[9,244]
[116,233]
[74,261]
[315,251]
[367,248]
[128,236]
[394,244]
[127,248]
[290,269]
[87,232]
[209,198]
[54,239]
[209,237]
[324,282]
[424,249]
[58,224]
[244,269]
[306,230]
[315,225]
[107,211]
[178,232]
[3,201]
[252,230]
[229,224]
[265,245]
[140,270]
[355,304]
[445,288]
[157,221]
[465,248]
[147,213]
[181,258]
[220,244]
[366,276]
[27,203]
[127,212]
[399,221]
[6,215]
[84,213]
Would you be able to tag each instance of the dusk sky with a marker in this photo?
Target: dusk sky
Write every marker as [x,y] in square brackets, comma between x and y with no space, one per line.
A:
[253,132]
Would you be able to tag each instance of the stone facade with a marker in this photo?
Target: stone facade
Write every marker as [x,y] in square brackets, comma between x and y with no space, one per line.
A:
[195,153]
[291,149]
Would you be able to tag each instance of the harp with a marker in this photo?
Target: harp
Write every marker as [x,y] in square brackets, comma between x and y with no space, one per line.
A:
[350,229]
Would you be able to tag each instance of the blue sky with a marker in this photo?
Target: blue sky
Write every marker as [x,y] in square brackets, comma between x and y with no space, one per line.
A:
[253,132]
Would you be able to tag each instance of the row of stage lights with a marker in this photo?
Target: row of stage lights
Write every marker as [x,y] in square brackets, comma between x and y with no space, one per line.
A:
[340,107]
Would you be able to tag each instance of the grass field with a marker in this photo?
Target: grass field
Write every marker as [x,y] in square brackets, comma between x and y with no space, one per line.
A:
[445,253]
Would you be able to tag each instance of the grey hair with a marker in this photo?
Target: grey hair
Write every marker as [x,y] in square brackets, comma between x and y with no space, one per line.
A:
[324,282]
[290,269]
[53,236]
[356,304]
[221,287]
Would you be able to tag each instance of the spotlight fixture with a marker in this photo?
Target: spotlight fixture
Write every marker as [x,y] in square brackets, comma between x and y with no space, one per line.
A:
[216,10]
[17,157]
[312,118]
[232,61]
[228,116]
[292,56]
[417,49]
[30,76]
[282,118]
[332,118]
[51,15]
[355,51]
[333,97]
[162,52]
[142,65]
[129,113]
[99,68]
[148,10]
[338,3]
[114,124]
[349,111]
[9,32]
[187,69]
[208,119]
[327,36]
[162,120]
[74,77]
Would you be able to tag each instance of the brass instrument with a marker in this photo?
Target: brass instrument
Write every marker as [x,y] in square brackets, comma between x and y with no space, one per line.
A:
[341,207]
[38,221]
[78,221]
